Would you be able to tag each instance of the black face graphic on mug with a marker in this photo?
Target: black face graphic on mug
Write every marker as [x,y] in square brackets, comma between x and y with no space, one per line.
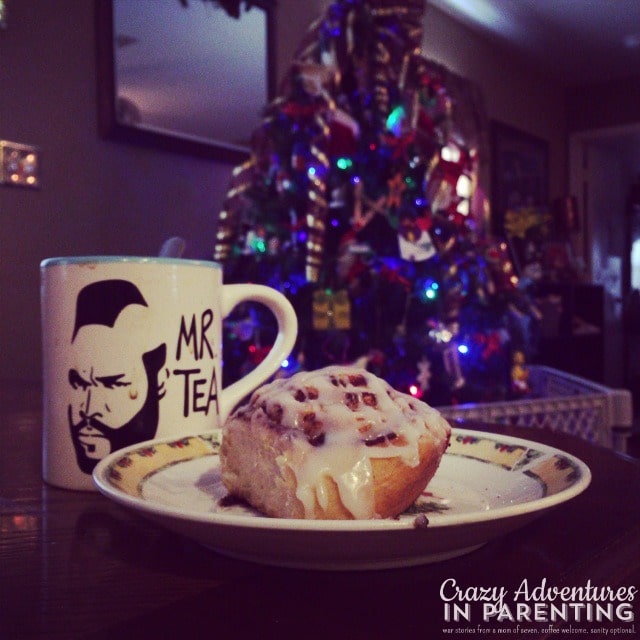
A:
[116,391]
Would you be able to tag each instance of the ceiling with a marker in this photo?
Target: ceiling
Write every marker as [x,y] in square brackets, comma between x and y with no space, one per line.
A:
[579,42]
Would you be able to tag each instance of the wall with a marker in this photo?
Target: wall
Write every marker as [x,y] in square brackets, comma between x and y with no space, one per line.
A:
[609,104]
[96,196]
[104,197]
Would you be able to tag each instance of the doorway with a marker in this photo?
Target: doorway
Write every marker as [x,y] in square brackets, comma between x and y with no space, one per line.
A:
[603,165]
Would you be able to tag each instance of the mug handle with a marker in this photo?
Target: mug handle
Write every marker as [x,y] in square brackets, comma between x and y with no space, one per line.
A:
[234,294]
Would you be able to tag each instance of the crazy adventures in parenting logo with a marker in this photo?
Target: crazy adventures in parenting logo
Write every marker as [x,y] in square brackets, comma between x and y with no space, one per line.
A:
[537,603]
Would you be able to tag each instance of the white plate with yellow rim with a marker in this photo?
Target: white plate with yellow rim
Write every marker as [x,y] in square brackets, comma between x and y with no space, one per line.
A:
[486,486]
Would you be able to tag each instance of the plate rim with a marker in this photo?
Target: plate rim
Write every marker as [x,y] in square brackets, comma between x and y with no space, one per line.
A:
[538,505]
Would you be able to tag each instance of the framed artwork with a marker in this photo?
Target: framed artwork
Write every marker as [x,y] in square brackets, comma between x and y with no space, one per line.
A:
[519,172]
[191,77]
[520,192]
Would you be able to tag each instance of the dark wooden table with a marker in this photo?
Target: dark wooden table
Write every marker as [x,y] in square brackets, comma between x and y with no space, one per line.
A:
[76,565]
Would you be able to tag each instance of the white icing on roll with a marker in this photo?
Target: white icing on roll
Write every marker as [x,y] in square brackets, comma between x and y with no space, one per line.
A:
[345,417]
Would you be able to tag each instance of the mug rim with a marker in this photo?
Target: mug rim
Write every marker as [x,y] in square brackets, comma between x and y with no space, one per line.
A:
[106,259]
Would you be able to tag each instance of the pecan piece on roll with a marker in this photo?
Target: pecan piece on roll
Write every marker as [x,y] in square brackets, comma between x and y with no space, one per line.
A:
[381,440]
[274,411]
[312,428]
[370,399]
[351,400]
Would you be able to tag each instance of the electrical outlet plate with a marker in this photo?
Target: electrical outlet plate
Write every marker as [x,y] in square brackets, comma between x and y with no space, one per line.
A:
[19,164]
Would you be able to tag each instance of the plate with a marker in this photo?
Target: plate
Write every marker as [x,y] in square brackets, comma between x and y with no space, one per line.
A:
[486,486]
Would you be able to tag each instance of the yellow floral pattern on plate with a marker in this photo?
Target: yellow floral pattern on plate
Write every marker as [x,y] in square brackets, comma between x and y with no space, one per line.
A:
[129,472]
[554,474]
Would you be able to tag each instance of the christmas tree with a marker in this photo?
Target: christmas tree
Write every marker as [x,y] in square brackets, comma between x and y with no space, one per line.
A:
[359,203]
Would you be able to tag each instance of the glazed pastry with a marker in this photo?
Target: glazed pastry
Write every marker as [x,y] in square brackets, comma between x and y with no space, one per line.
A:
[336,443]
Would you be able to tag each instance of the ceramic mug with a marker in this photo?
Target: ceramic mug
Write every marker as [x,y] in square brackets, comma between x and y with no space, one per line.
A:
[132,351]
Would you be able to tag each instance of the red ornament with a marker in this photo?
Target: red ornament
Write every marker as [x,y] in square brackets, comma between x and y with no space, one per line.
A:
[490,343]
[344,132]
[298,111]
[393,276]
[258,354]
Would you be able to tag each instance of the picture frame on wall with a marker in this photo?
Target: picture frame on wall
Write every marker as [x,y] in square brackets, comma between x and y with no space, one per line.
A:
[520,192]
[160,69]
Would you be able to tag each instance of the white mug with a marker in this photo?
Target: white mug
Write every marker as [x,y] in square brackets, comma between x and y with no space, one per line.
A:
[132,351]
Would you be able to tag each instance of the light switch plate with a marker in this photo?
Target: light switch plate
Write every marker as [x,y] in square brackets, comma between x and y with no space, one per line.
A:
[19,164]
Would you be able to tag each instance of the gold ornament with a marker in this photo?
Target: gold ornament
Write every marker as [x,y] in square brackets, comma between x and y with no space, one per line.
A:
[397,187]
[331,310]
